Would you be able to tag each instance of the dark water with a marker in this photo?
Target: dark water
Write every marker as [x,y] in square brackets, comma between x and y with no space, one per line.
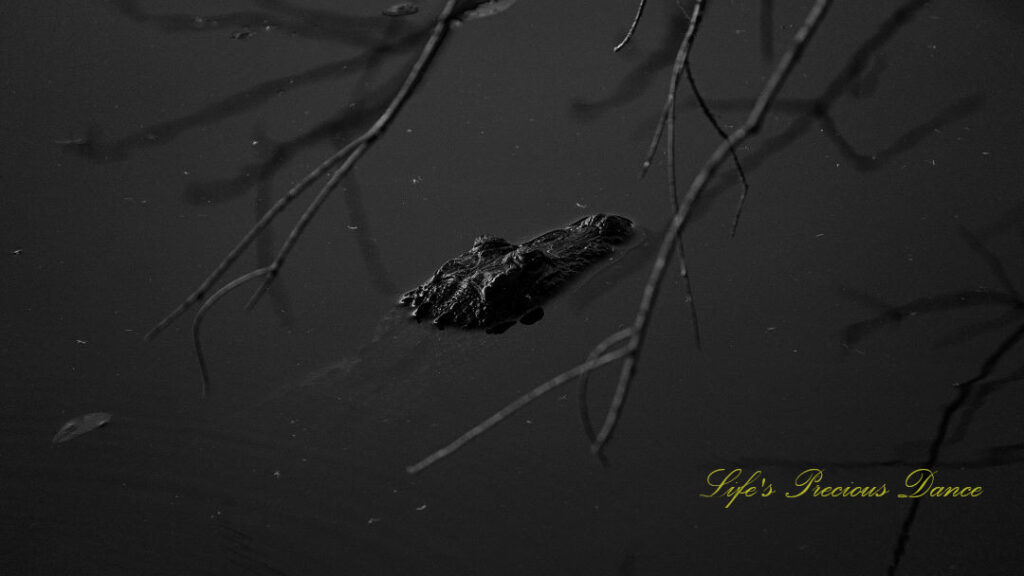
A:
[191,117]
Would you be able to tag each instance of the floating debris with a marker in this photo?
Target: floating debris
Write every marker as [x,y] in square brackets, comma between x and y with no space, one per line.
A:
[199,23]
[401,9]
[72,142]
[80,425]
[487,8]
[241,35]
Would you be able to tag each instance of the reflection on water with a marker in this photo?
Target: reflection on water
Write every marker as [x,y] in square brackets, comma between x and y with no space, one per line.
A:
[900,129]
[966,401]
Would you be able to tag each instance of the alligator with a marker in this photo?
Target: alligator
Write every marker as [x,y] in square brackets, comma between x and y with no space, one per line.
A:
[491,287]
[496,283]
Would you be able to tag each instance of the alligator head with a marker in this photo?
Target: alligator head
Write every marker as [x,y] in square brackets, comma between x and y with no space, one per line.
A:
[496,283]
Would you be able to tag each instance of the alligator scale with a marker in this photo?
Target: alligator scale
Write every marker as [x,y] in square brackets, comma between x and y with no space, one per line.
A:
[497,283]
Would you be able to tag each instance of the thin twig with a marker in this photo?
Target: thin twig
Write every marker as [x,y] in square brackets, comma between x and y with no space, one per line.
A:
[444,20]
[304,220]
[710,168]
[564,377]
[688,291]
[200,292]
[198,320]
[365,141]
[632,27]
[631,351]
[584,406]
[677,69]
[670,164]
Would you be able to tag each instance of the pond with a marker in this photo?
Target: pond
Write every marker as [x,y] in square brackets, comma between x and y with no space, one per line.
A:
[861,328]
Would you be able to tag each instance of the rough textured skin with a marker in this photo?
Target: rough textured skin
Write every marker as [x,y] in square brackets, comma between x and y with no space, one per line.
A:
[496,282]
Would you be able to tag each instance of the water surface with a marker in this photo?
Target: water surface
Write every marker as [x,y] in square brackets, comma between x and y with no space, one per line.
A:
[138,141]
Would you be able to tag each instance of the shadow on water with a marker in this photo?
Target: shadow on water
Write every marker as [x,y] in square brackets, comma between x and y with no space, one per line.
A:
[263,200]
[404,357]
[276,15]
[767,30]
[243,553]
[383,39]
[394,42]
[640,79]
[380,278]
[363,109]
[859,78]
[1001,455]
[970,394]
[628,262]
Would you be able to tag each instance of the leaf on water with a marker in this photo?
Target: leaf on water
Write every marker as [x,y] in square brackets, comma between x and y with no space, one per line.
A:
[402,9]
[485,8]
[80,425]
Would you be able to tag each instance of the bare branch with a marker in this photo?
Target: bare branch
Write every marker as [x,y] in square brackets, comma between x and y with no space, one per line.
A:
[707,172]
[349,155]
[677,69]
[732,151]
[631,351]
[304,220]
[248,238]
[632,27]
[670,165]
[198,320]
[598,350]
[365,141]
[498,417]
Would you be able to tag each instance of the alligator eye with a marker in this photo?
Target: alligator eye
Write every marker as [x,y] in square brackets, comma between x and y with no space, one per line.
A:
[615,227]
